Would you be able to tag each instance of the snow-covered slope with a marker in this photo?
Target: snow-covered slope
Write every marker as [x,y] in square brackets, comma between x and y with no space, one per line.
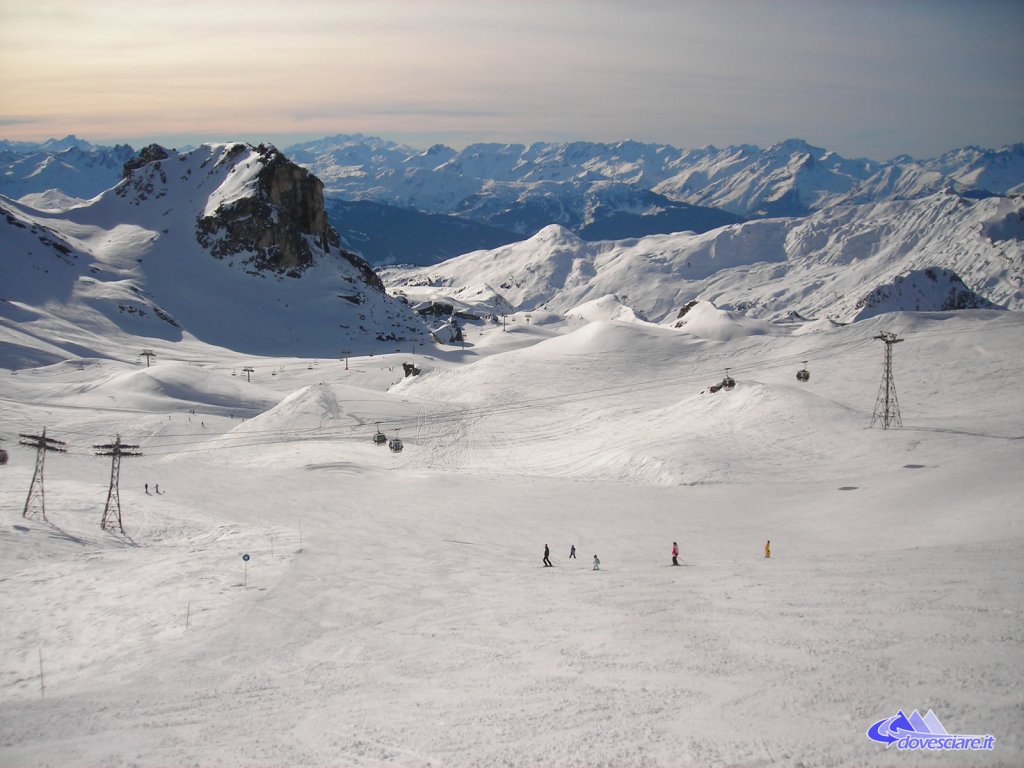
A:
[219,243]
[828,264]
[393,610]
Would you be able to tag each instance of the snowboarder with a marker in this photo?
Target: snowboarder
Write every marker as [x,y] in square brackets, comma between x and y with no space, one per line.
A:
[547,557]
[572,552]
[768,548]
[597,564]
[675,553]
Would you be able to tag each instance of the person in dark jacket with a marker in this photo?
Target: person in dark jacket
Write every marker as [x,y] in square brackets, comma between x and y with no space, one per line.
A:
[547,557]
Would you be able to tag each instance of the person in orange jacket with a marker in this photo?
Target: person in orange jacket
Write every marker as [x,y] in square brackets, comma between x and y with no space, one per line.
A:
[768,548]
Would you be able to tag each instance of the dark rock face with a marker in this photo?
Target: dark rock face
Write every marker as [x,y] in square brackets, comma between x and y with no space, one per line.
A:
[146,155]
[279,226]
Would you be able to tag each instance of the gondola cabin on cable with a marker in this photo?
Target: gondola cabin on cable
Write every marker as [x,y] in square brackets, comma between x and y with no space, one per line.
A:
[3,456]
[379,438]
[395,445]
[804,374]
[728,382]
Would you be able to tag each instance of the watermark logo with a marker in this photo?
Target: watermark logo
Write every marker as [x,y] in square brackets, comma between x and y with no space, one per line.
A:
[924,733]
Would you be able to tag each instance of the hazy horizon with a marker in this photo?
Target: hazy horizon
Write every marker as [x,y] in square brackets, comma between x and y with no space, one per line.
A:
[872,79]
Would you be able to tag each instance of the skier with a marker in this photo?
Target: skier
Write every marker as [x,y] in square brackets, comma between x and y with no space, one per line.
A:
[147,489]
[572,552]
[768,548]
[597,564]
[158,488]
[675,553]
[547,557]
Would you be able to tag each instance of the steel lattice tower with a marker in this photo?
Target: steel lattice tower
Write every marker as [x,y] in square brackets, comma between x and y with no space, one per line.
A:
[36,499]
[116,450]
[887,407]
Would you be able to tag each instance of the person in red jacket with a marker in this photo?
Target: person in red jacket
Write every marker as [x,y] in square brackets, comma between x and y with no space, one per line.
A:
[675,553]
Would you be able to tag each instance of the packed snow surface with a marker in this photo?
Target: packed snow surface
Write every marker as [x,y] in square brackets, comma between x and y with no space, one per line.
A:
[394,610]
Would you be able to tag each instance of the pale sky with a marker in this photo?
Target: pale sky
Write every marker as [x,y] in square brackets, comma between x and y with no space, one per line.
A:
[871,78]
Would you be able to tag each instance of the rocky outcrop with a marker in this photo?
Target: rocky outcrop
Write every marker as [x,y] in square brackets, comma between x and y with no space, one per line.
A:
[278,226]
[147,155]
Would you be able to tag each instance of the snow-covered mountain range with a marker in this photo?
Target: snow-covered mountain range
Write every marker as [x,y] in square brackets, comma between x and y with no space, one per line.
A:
[185,233]
[576,184]
[600,191]
[226,243]
[843,263]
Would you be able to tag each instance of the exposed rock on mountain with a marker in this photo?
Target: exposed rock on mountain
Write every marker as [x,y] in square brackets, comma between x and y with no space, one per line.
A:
[276,224]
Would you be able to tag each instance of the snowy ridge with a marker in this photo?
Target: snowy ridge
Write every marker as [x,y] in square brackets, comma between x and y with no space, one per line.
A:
[819,266]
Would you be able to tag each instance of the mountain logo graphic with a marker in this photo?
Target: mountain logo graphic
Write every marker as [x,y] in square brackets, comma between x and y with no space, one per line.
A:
[923,732]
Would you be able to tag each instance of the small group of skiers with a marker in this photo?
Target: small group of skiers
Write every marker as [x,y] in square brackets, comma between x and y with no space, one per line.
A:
[572,556]
[597,562]
[155,488]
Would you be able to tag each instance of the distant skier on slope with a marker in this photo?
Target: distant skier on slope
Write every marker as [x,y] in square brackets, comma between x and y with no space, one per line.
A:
[547,557]
[572,552]
[597,564]
[768,548]
[675,553]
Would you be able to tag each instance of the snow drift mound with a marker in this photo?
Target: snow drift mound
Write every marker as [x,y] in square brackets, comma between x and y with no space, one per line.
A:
[704,319]
[173,387]
[310,408]
[608,307]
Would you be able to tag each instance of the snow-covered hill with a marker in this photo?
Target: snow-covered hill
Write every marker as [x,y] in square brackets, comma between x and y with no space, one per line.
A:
[226,243]
[830,264]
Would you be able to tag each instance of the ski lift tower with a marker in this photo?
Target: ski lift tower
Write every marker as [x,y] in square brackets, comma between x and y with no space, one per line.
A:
[887,407]
[36,499]
[116,450]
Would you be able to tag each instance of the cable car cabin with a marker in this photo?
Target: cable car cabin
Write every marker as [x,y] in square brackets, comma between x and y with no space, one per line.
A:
[3,456]
[379,439]
[395,445]
[728,383]
[803,375]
